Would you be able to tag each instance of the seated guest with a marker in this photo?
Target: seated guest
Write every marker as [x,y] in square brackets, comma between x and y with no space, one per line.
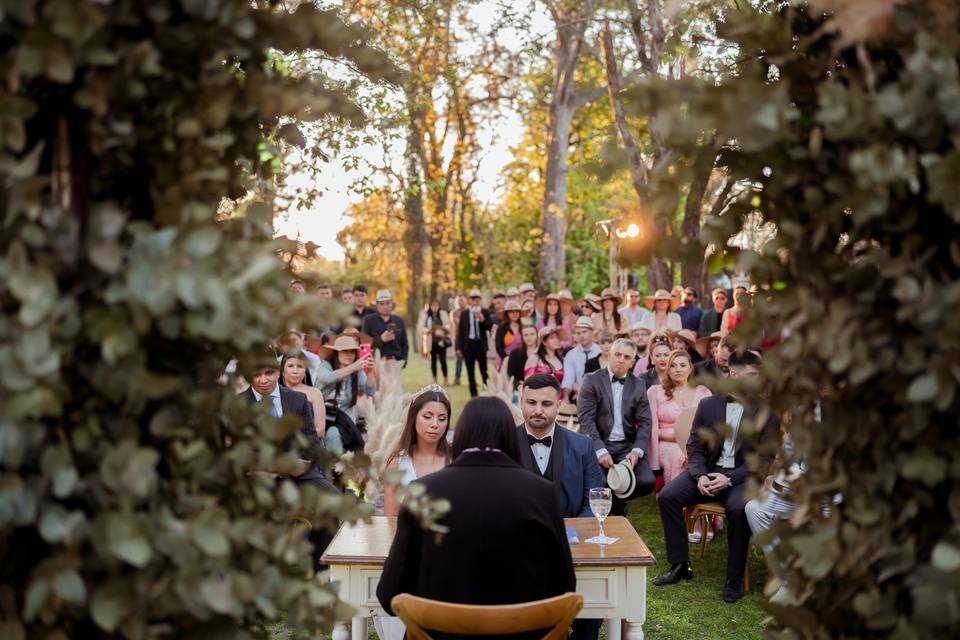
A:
[717,472]
[508,330]
[517,360]
[687,341]
[600,360]
[710,320]
[562,457]
[481,559]
[615,414]
[718,365]
[341,380]
[293,369]
[640,335]
[658,354]
[690,313]
[554,313]
[575,361]
[265,388]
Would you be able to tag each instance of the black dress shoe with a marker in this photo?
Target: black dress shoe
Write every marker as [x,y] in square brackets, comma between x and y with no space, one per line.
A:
[732,591]
[679,571]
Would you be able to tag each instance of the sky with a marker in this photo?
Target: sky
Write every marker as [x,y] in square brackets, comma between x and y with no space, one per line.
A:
[321,223]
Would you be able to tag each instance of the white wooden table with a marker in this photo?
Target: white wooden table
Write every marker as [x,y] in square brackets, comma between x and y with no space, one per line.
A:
[612,578]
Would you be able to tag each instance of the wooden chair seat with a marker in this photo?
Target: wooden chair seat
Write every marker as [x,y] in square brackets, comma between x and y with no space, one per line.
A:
[705,513]
[419,614]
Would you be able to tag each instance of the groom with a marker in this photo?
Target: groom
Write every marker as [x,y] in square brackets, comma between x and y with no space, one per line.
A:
[561,456]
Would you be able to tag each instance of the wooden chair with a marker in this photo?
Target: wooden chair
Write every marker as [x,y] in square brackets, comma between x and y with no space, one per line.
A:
[419,614]
[707,512]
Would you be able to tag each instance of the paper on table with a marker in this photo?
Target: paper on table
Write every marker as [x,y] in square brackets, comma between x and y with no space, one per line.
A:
[572,536]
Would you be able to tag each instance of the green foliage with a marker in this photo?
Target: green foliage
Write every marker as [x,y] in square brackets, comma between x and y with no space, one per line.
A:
[127,507]
[852,154]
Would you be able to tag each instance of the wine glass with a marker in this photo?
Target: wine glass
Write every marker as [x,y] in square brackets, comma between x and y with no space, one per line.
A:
[600,502]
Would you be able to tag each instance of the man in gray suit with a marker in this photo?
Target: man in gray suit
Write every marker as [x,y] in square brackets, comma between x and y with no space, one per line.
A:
[615,414]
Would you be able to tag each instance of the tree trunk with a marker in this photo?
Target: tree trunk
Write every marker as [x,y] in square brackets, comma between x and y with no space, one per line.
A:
[413,211]
[552,247]
[691,265]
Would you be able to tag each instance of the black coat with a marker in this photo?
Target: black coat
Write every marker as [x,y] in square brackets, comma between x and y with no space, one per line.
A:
[506,544]
[296,404]
[595,409]
[707,435]
[463,329]
[516,361]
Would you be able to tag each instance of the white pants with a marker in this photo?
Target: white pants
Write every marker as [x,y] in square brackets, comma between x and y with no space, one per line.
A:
[763,511]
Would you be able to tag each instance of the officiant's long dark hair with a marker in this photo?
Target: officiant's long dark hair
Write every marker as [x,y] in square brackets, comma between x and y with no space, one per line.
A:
[486,423]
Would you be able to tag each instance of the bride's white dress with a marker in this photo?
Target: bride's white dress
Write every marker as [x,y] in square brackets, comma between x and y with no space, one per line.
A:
[388,627]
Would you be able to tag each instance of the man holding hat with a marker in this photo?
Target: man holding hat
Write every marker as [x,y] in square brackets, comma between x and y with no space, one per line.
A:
[388,330]
[615,414]
[475,322]
[717,471]
[576,358]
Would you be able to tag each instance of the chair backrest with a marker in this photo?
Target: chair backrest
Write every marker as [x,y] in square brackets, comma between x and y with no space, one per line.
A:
[681,430]
[419,614]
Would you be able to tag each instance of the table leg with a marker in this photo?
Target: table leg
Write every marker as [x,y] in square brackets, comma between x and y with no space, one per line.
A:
[633,631]
[613,628]
[359,629]
[340,631]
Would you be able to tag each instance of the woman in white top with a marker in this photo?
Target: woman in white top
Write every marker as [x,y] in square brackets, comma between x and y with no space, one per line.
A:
[662,318]
[423,446]
[422,449]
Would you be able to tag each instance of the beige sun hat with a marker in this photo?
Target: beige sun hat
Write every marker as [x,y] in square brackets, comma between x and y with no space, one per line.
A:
[344,342]
[583,322]
[610,294]
[512,292]
[384,295]
[511,305]
[526,286]
[662,294]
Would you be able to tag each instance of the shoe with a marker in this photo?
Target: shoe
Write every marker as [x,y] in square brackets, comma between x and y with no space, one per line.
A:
[694,538]
[732,591]
[679,571]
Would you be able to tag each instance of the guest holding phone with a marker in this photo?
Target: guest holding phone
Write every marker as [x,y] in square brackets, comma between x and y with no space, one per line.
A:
[387,329]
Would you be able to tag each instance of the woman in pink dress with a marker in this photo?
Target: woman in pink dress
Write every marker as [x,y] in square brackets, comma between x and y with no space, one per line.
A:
[667,400]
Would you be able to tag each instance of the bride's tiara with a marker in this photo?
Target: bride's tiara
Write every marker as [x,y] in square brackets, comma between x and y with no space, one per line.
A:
[431,388]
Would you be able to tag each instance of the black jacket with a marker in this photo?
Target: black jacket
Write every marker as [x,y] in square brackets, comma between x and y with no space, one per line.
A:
[463,329]
[502,330]
[707,435]
[515,364]
[506,544]
[296,404]
[595,409]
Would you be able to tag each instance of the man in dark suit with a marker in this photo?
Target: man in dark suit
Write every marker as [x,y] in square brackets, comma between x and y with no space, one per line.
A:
[614,413]
[471,344]
[281,401]
[563,457]
[717,472]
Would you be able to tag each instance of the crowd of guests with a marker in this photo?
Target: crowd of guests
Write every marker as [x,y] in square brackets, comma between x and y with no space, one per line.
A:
[628,372]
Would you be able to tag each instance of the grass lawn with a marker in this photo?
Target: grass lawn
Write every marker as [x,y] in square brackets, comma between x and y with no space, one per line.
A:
[691,610]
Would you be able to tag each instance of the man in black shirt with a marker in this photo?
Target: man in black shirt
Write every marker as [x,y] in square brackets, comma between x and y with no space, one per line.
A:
[388,330]
[360,308]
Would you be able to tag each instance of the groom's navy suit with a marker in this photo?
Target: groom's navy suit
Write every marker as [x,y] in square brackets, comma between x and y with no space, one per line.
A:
[572,468]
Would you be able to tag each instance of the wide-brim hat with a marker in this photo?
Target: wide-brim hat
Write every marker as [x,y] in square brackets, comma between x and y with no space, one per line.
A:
[639,326]
[344,342]
[593,300]
[384,295]
[662,294]
[567,416]
[566,306]
[475,293]
[703,344]
[511,305]
[610,294]
[513,292]
[545,332]
[687,336]
[526,286]
[621,480]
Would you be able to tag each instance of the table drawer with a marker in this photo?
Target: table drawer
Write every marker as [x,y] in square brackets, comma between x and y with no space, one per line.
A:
[599,587]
